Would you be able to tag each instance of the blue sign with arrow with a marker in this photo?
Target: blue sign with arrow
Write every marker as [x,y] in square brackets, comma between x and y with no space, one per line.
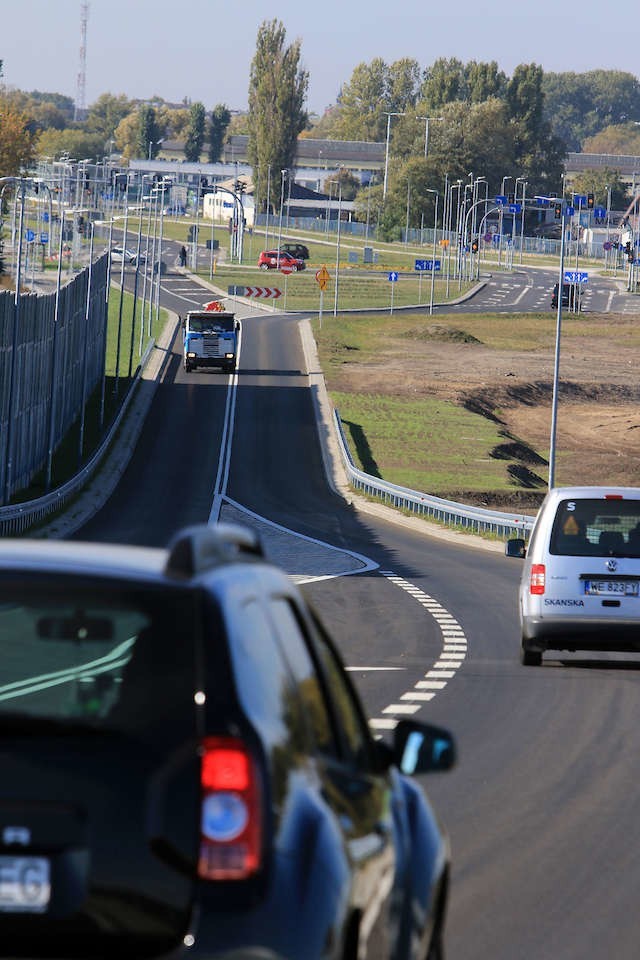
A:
[427,265]
[575,276]
[393,276]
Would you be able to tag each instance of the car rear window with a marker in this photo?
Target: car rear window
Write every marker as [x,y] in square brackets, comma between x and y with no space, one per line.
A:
[599,527]
[107,655]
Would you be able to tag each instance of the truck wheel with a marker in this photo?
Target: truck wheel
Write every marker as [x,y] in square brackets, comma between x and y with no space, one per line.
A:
[188,368]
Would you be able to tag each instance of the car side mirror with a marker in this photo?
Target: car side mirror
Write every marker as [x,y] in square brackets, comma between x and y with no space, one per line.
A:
[516,547]
[422,748]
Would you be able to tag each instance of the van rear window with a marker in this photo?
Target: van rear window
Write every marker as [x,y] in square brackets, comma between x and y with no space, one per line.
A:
[78,652]
[588,528]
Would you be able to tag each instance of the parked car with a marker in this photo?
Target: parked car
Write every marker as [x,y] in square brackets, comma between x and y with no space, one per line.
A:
[186,769]
[296,250]
[118,254]
[272,260]
[580,586]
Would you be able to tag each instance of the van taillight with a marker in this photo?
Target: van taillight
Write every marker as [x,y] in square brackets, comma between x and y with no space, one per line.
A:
[536,582]
[231,811]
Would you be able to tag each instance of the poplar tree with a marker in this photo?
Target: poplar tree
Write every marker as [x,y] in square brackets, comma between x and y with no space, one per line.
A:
[220,120]
[195,133]
[277,92]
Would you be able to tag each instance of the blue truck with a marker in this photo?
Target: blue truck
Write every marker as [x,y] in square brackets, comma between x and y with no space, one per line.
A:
[210,339]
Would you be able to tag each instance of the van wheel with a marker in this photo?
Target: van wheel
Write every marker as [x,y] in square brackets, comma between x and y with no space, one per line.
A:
[530,658]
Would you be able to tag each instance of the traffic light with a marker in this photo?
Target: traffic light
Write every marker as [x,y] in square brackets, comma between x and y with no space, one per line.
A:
[474,246]
[590,201]
[511,198]
[557,211]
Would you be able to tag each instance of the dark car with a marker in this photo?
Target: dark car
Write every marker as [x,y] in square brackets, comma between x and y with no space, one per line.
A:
[274,260]
[296,250]
[186,769]
[570,295]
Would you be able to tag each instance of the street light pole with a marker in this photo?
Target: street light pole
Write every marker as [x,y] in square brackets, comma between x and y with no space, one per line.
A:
[426,132]
[386,152]
[433,260]
[335,300]
[283,174]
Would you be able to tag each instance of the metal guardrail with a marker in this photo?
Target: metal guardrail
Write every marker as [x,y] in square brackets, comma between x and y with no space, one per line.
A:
[18,517]
[475,519]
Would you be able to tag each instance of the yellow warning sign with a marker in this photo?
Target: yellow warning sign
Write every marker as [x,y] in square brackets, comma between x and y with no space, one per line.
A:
[571,527]
[322,276]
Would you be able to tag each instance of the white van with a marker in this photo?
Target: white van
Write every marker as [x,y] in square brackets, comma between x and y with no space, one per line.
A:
[580,586]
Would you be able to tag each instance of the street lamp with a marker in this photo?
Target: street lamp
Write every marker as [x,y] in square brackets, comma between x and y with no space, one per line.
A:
[433,261]
[386,152]
[155,143]
[426,131]
[500,219]
[283,174]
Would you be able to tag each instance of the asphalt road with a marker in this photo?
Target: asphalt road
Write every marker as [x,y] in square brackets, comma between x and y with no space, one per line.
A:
[541,808]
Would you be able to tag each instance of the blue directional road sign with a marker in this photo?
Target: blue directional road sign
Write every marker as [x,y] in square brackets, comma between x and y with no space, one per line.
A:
[599,213]
[393,276]
[575,276]
[515,207]
[500,200]
[580,199]
[30,236]
[427,265]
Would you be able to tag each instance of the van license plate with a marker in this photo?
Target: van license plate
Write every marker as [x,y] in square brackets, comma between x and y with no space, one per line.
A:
[25,885]
[619,588]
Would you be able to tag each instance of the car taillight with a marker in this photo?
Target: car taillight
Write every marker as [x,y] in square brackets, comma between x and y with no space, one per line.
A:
[536,582]
[231,811]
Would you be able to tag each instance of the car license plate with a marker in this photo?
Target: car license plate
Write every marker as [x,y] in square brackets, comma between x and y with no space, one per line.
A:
[25,885]
[618,588]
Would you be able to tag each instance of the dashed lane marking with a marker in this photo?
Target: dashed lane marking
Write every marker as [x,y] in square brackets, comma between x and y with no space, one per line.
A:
[454,650]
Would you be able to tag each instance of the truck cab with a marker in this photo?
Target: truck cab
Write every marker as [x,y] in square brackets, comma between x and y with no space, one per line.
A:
[210,339]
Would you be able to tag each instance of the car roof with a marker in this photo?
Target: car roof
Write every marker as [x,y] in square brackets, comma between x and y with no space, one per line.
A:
[592,493]
[193,553]
[77,557]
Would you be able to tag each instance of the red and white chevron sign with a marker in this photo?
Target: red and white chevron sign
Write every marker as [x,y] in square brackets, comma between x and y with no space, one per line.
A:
[263,293]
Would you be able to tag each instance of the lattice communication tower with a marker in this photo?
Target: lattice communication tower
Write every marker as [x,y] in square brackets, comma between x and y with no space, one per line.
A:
[81,91]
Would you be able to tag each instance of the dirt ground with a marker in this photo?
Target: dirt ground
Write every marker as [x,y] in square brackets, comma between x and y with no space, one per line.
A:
[598,423]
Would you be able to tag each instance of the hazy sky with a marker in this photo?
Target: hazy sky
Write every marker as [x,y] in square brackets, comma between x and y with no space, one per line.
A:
[202,49]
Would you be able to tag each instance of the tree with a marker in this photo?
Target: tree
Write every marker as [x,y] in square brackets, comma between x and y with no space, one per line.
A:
[623,138]
[580,105]
[17,141]
[345,180]
[539,154]
[484,81]
[277,93]
[604,184]
[104,115]
[361,103]
[148,133]
[75,143]
[220,120]
[444,82]
[195,133]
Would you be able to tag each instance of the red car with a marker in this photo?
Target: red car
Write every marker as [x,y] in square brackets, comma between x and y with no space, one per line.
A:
[274,260]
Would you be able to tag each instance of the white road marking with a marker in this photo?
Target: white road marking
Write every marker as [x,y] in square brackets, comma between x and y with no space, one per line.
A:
[454,650]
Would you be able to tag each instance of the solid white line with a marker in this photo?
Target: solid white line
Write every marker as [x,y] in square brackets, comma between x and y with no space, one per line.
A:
[356,669]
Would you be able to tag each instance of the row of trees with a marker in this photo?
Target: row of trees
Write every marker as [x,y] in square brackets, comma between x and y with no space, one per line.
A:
[483,122]
[113,123]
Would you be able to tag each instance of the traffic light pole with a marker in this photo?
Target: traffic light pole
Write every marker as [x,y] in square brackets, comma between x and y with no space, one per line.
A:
[556,363]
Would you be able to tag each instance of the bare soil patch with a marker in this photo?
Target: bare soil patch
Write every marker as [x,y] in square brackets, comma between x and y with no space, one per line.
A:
[598,425]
